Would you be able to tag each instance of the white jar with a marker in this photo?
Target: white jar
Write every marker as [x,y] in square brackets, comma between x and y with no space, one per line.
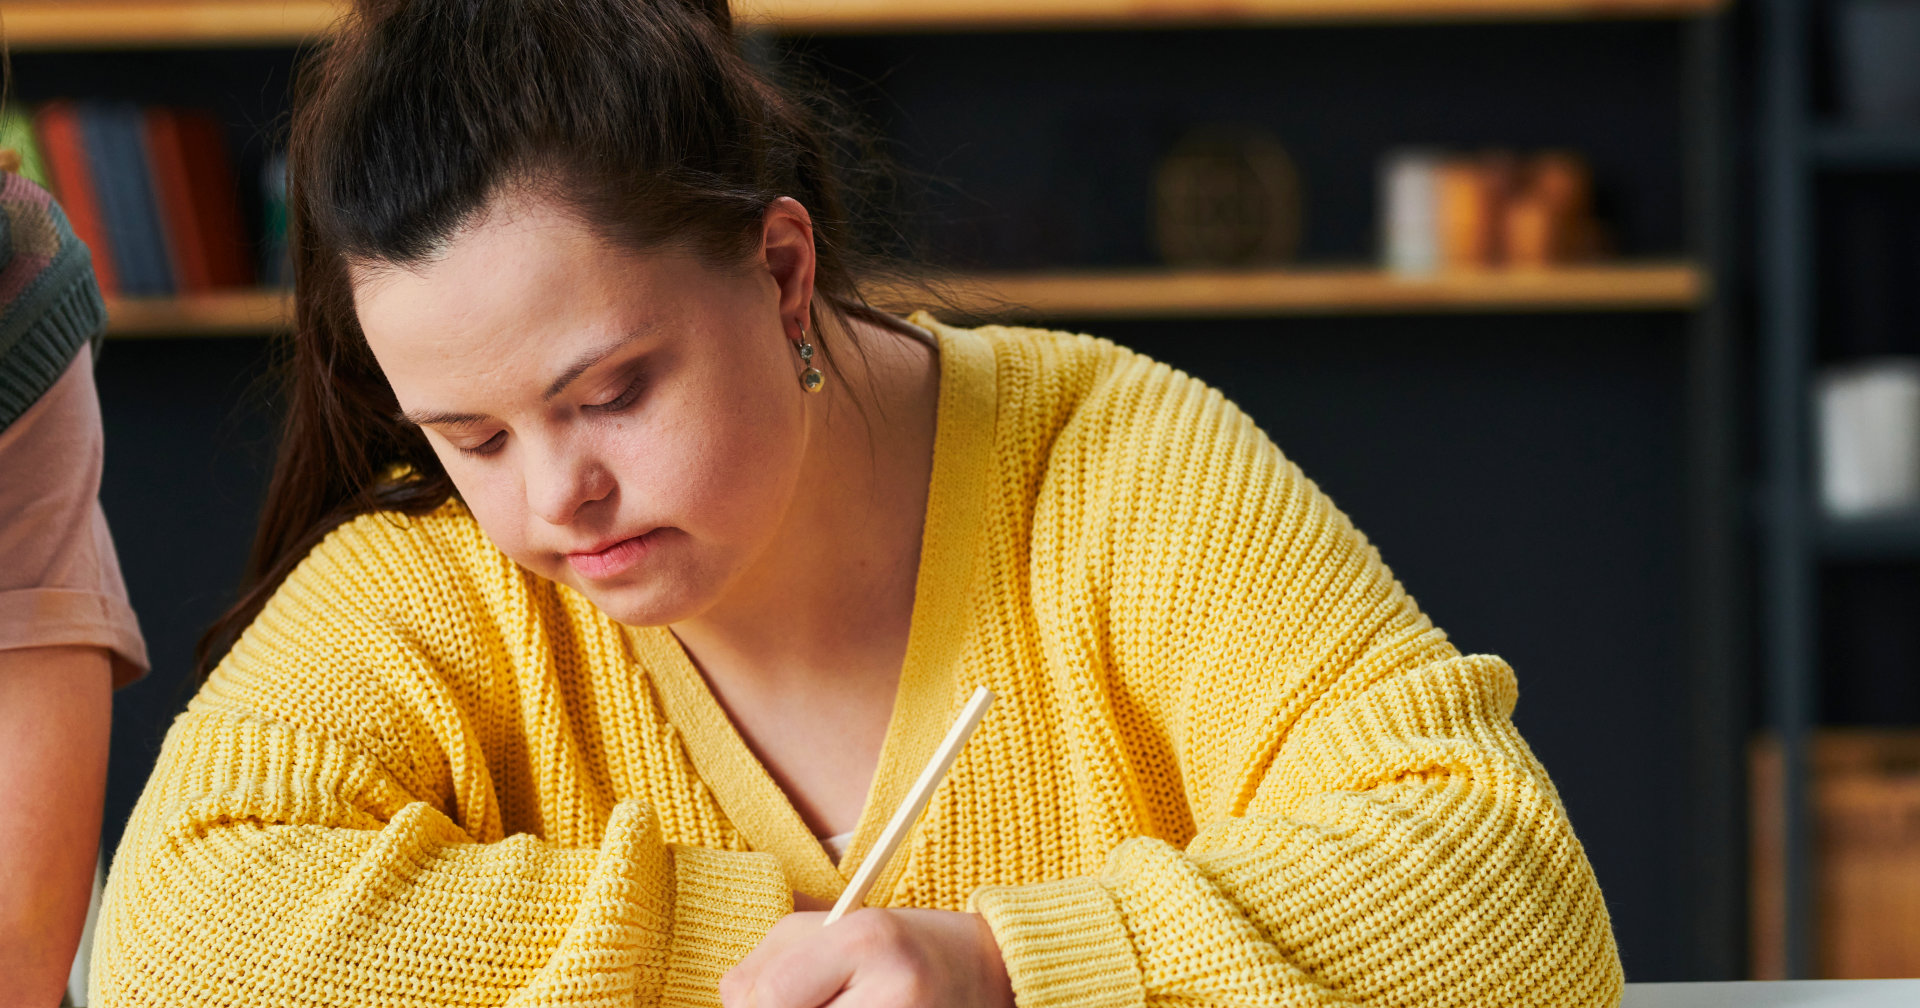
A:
[1867,424]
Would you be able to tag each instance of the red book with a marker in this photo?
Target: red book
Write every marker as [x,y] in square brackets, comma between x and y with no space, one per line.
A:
[65,151]
[186,244]
[198,199]
[216,198]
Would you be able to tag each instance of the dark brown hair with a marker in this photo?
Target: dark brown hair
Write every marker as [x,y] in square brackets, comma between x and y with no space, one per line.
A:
[641,116]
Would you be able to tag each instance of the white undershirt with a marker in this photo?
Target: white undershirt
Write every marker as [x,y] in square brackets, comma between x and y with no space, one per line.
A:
[836,846]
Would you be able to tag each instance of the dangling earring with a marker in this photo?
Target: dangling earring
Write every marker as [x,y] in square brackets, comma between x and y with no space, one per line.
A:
[810,379]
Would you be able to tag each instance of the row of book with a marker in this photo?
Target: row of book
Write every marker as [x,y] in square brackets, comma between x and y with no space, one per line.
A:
[150,190]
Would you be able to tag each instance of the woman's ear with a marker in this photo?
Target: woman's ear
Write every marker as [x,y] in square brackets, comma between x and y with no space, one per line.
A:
[786,247]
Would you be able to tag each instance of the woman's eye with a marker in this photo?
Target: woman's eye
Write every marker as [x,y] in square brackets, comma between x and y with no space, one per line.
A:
[626,398]
[487,447]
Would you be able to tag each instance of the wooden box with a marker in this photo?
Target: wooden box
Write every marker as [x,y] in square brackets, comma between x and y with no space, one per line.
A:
[1865,798]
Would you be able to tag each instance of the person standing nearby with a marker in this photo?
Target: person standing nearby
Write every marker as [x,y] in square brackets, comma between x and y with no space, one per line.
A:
[68,636]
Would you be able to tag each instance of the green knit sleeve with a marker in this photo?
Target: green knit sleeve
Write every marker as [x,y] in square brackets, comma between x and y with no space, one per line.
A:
[56,306]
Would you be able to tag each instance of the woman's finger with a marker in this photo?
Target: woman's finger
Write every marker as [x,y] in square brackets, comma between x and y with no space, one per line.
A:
[807,972]
[873,959]
[739,981]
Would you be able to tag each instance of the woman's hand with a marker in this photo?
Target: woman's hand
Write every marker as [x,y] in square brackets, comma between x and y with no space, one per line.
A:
[873,959]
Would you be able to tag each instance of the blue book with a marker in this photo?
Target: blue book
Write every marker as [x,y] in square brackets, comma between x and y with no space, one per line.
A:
[276,267]
[117,152]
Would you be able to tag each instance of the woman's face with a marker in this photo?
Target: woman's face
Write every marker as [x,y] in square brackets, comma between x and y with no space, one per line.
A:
[631,426]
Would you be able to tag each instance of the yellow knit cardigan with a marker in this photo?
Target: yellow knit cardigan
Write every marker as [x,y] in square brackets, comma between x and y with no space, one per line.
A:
[1232,763]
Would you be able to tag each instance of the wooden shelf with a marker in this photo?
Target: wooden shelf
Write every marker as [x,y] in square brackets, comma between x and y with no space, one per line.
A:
[229,313]
[1160,293]
[852,16]
[1855,149]
[1888,537]
[142,24]
[109,24]
[1142,293]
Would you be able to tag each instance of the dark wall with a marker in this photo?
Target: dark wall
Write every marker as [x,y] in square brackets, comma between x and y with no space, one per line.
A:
[189,442]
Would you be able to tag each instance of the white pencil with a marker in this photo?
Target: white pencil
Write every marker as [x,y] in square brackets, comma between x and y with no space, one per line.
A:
[915,803]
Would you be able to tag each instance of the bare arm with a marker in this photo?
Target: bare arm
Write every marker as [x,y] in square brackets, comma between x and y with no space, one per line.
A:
[55,707]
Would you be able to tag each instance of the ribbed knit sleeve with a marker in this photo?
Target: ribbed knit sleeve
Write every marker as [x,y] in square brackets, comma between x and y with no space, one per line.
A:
[1368,827]
[49,301]
[325,823]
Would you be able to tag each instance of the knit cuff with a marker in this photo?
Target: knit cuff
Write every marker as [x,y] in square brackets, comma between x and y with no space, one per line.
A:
[61,311]
[1064,944]
[725,902]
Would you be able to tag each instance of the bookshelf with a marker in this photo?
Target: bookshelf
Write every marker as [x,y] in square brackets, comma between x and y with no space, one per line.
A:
[1139,293]
[1820,166]
[93,24]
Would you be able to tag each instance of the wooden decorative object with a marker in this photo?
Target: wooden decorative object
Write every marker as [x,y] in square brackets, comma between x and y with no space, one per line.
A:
[1227,196]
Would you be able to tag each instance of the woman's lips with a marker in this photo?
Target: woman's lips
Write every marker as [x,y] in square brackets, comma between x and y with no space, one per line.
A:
[616,559]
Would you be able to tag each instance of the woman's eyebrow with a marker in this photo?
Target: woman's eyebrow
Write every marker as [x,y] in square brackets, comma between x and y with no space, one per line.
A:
[587,360]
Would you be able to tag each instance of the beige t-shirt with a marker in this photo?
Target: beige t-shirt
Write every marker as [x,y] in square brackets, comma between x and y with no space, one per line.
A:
[60,581]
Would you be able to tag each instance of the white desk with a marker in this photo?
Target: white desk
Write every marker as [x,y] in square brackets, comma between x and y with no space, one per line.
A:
[1780,994]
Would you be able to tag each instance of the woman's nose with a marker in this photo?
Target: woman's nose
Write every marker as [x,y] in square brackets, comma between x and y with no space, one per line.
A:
[560,484]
